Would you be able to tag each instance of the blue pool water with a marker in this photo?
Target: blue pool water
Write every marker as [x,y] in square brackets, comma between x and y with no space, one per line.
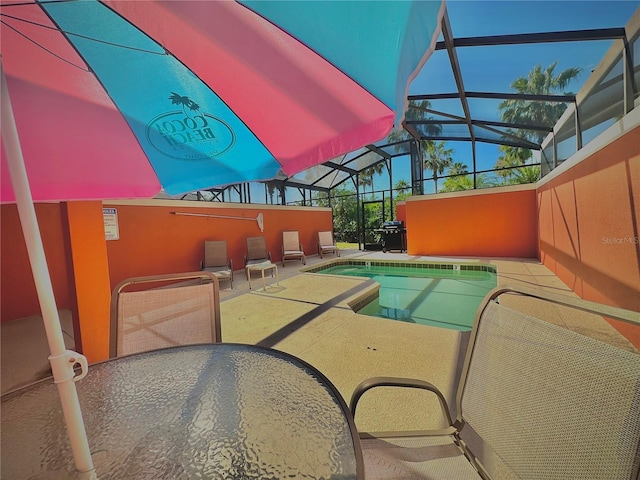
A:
[444,296]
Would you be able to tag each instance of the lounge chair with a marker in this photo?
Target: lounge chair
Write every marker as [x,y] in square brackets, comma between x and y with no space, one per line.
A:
[292,248]
[256,252]
[534,401]
[217,261]
[162,311]
[326,244]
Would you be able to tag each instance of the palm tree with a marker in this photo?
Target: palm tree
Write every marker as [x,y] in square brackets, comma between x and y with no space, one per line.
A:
[509,158]
[527,174]
[365,179]
[538,82]
[366,175]
[458,178]
[465,182]
[403,190]
[402,187]
[436,158]
[271,190]
[458,168]
[416,111]
[455,184]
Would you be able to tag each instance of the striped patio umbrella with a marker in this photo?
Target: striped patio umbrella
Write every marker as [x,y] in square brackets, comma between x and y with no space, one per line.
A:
[117,99]
[120,99]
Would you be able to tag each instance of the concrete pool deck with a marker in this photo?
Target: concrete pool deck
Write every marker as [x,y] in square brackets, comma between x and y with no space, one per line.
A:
[308,315]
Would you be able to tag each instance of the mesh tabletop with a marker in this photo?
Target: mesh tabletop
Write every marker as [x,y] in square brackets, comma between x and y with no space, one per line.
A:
[204,411]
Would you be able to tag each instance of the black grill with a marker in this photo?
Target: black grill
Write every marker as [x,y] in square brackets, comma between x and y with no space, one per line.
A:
[393,236]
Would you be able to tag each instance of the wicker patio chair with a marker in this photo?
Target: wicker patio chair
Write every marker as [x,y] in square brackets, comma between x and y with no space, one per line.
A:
[217,261]
[535,401]
[162,311]
[326,244]
[292,248]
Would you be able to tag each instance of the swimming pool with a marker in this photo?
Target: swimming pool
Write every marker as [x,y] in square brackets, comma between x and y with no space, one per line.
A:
[442,295]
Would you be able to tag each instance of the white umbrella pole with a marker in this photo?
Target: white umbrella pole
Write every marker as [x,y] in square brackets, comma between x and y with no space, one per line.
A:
[62,360]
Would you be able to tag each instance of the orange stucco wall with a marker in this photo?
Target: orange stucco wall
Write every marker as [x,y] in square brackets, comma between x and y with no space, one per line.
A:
[493,222]
[73,238]
[589,233]
[401,212]
[89,274]
[153,240]
[85,267]
[19,298]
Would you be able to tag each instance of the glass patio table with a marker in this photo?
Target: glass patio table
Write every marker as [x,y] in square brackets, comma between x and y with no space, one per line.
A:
[221,410]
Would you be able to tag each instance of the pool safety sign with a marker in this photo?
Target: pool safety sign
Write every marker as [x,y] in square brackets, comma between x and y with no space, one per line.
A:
[111,231]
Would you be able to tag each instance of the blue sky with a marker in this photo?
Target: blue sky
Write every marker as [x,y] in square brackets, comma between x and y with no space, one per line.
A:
[493,69]
[482,17]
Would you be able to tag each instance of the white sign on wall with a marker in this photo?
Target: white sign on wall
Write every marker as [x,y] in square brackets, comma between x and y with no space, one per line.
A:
[111,231]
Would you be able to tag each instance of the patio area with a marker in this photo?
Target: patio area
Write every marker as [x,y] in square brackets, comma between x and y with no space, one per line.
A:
[308,315]
[538,178]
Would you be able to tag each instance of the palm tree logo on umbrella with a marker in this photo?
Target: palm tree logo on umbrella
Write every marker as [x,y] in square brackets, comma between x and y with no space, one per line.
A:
[189,133]
[186,102]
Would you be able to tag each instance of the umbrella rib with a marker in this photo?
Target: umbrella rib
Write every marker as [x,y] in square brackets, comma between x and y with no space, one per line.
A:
[37,24]
[85,69]
[119,45]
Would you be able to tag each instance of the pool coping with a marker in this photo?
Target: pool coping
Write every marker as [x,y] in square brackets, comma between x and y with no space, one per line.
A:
[418,264]
[358,302]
